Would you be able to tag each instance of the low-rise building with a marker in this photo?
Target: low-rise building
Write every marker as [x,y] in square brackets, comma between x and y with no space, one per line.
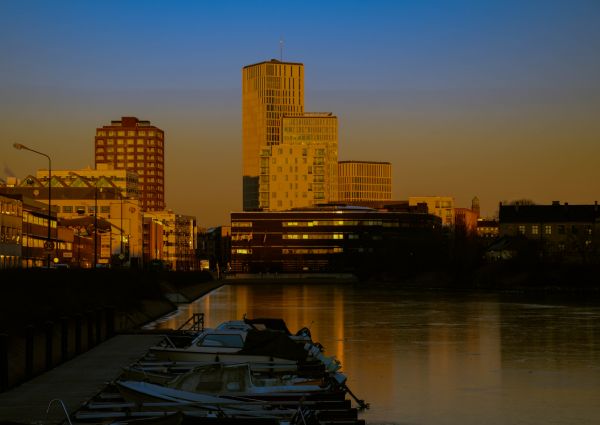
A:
[487,228]
[11,231]
[561,230]
[330,239]
[179,239]
[441,206]
[77,196]
[214,245]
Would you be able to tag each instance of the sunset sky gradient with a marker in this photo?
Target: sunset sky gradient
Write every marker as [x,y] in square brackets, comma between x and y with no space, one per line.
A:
[499,99]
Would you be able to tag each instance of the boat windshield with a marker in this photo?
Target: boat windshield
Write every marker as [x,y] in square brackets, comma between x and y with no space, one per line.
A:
[221,340]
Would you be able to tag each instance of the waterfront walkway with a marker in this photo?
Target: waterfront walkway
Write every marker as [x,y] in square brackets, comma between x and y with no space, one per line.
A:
[73,382]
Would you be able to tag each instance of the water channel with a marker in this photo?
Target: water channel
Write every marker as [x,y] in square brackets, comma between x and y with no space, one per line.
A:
[433,359]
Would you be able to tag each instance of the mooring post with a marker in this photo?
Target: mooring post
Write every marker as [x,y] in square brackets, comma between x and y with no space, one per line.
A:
[49,331]
[98,326]
[110,313]
[29,337]
[90,329]
[64,339]
[78,325]
[3,362]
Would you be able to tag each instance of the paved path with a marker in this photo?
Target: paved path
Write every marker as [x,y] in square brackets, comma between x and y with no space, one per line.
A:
[74,382]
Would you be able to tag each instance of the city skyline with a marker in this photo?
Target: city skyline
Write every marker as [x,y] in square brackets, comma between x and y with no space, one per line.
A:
[496,101]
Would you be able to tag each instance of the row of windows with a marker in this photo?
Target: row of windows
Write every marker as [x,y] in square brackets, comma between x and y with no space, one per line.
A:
[561,229]
[313,236]
[334,250]
[111,158]
[34,219]
[39,243]
[146,143]
[365,169]
[10,234]
[131,133]
[81,209]
[340,223]
[10,207]
[9,261]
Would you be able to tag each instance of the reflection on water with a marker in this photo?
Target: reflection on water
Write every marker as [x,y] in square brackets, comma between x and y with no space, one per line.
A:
[433,359]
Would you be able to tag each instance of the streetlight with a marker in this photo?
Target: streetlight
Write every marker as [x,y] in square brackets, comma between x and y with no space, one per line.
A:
[48,245]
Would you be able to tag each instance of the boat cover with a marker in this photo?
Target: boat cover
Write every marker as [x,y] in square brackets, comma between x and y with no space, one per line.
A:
[271,324]
[274,344]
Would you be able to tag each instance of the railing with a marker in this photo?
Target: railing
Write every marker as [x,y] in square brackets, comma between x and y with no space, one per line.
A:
[194,323]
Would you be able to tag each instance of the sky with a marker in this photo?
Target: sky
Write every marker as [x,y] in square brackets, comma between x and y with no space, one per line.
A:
[495,99]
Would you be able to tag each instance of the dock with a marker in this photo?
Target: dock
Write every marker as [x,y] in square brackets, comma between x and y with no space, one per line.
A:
[73,382]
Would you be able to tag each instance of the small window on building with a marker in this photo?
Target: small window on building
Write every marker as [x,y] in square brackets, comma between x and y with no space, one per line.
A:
[522,229]
[548,230]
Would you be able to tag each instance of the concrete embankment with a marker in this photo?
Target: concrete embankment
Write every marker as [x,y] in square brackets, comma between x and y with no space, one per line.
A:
[289,278]
[48,317]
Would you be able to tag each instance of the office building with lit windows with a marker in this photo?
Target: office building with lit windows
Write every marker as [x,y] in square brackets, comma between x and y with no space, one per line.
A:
[364,181]
[269,91]
[135,145]
[11,232]
[330,239]
[289,156]
[302,170]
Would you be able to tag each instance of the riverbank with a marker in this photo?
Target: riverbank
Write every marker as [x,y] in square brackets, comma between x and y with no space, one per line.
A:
[32,297]
[577,281]
[48,317]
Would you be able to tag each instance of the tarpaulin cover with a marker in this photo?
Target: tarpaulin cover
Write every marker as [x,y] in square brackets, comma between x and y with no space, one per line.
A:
[274,344]
[272,324]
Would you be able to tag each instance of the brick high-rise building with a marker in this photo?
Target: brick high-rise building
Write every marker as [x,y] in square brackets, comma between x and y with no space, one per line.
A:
[135,145]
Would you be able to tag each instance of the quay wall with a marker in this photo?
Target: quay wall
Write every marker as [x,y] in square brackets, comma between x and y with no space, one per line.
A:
[50,316]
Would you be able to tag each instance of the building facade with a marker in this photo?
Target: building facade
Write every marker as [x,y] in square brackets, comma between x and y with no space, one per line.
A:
[269,91]
[441,206]
[179,239]
[560,230]
[137,146]
[302,170]
[127,181]
[332,239]
[37,250]
[364,181]
[289,156]
[11,232]
[487,228]
[214,245]
[82,202]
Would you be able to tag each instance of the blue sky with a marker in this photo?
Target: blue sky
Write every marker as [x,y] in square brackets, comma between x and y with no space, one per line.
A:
[453,93]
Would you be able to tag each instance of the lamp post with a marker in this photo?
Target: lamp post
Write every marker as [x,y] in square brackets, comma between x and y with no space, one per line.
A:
[48,245]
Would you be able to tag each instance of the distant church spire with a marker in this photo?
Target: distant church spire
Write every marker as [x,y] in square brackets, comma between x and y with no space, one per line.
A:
[475,206]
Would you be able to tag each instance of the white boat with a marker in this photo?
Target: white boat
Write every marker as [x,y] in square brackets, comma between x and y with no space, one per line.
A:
[234,342]
[217,384]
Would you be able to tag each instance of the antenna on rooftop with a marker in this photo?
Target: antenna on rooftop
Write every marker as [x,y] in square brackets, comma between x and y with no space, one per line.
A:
[281,49]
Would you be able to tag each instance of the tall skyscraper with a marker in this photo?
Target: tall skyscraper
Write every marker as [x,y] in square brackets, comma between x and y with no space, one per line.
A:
[289,156]
[135,145]
[364,181]
[269,90]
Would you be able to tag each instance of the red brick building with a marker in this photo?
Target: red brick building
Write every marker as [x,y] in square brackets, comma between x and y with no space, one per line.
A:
[135,145]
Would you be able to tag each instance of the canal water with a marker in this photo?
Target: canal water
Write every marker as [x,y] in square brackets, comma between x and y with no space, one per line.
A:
[434,359]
